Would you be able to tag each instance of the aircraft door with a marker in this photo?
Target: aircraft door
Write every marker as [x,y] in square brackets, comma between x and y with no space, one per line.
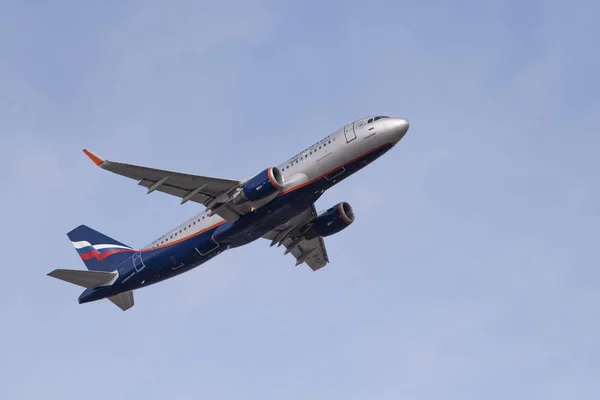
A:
[138,263]
[349,132]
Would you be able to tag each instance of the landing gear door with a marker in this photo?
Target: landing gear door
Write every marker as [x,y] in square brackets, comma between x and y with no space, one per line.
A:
[349,132]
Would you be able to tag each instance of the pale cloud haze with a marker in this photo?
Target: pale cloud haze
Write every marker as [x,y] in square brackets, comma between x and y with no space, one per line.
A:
[471,270]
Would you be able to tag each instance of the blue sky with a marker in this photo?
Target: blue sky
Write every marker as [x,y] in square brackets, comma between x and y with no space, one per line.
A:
[471,270]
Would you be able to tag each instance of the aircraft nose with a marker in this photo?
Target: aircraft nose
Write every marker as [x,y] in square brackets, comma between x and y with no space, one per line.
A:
[399,128]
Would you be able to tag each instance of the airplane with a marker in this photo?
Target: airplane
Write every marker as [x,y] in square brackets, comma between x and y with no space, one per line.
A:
[277,204]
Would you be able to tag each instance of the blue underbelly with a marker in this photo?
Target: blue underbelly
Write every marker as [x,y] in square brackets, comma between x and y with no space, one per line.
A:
[254,225]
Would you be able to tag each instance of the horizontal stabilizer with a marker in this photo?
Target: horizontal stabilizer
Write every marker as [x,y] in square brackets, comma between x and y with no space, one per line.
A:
[123,300]
[87,279]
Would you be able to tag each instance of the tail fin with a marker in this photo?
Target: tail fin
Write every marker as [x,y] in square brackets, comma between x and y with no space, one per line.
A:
[98,252]
[123,300]
[92,280]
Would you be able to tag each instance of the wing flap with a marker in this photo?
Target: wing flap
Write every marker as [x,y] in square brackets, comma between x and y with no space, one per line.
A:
[310,251]
[177,191]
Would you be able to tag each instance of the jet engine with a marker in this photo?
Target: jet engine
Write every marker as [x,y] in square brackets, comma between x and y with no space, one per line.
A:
[333,220]
[266,184]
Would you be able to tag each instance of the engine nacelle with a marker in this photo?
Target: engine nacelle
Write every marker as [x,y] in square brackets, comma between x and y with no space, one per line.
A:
[265,184]
[334,219]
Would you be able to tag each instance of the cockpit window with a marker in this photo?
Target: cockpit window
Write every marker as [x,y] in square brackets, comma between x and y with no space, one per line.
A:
[376,118]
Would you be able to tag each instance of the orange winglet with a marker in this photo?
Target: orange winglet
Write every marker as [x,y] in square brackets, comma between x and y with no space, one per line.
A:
[97,160]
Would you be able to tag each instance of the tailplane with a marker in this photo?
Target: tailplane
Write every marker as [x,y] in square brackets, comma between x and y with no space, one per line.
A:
[98,252]
[92,280]
[87,279]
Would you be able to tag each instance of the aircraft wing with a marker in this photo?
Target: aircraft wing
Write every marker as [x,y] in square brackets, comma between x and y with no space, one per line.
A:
[213,193]
[310,250]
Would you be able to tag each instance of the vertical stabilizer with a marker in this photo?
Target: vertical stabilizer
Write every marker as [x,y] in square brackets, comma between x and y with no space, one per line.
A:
[123,300]
[98,252]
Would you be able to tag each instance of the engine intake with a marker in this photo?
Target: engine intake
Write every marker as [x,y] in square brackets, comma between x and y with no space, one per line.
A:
[334,219]
[263,185]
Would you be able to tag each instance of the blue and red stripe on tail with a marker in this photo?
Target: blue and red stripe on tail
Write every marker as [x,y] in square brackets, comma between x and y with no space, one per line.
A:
[99,252]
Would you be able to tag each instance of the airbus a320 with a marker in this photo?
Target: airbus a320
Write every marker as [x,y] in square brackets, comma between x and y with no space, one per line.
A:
[277,204]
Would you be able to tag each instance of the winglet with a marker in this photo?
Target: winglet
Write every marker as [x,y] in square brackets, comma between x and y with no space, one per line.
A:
[97,160]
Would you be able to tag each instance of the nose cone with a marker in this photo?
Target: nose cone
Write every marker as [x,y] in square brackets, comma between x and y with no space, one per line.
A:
[398,128]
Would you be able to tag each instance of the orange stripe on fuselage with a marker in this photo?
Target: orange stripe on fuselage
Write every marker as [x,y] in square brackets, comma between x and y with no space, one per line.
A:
[330,171]
[185,238]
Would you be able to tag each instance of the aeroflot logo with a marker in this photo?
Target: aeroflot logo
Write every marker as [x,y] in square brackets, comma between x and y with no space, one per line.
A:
[99,251]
